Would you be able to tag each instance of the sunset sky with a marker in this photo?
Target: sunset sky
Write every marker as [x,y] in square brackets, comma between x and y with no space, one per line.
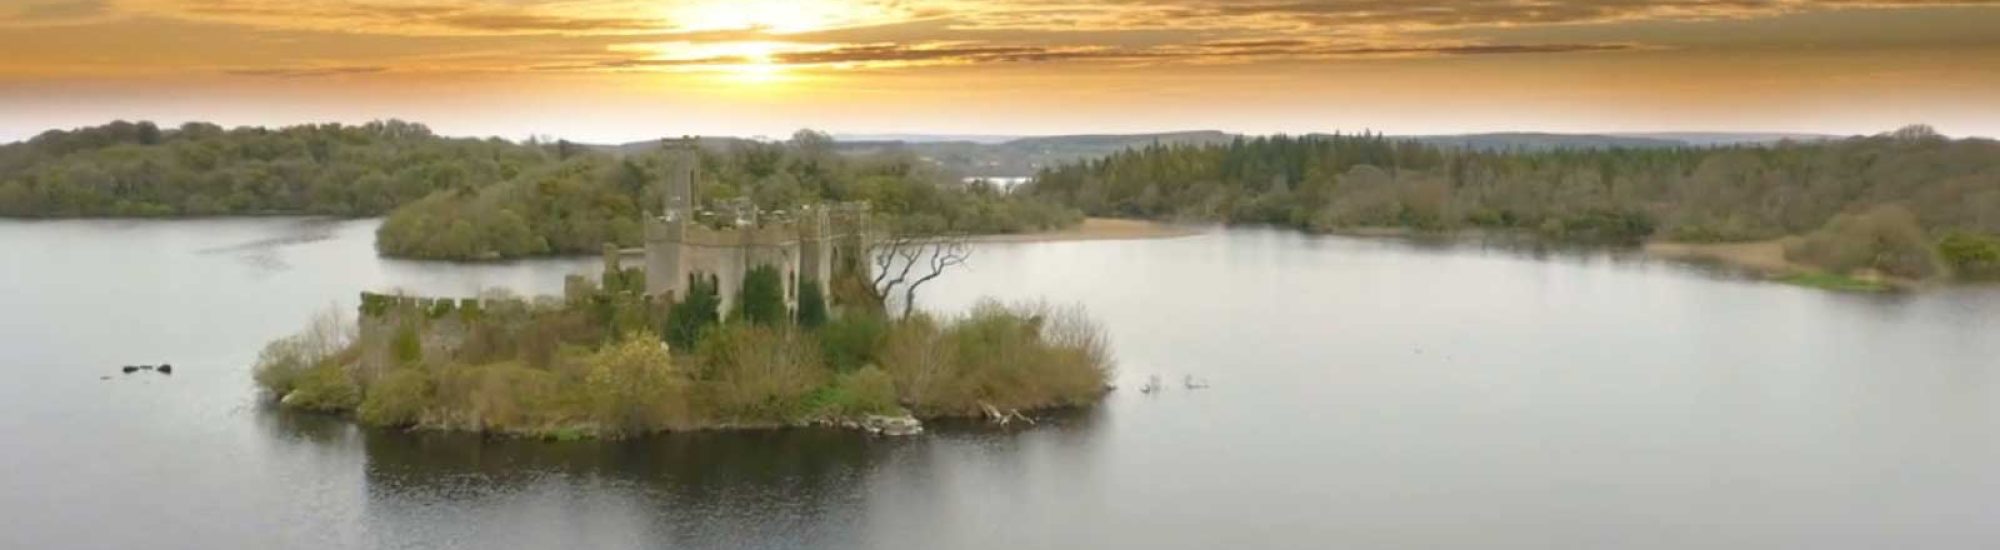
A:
[621,70]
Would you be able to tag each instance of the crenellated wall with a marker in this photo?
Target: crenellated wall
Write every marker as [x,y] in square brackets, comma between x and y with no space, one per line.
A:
[802,245]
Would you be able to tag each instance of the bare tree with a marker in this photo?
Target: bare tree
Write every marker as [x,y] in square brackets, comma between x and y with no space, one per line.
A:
[905,262]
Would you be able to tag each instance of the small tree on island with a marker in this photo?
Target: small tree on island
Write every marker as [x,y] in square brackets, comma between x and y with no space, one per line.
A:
[812,304]
[904,262]
[761,300]
[697,311]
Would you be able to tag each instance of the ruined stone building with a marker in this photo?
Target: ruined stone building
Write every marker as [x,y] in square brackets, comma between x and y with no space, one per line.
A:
[686,241]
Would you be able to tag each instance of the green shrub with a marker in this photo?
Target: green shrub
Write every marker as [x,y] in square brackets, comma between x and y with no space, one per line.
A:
[853,340]
[1971,255]
[408,345]
[284,361]
[1885,238]
[1023,357]
[695,312]
[812,304]
[634,388]
[279,366]
[863,392]
[398,399]
[325,388]
[757,373]
[507,397]
[761,299]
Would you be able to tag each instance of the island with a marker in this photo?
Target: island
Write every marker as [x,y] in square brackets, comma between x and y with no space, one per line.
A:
[739,319]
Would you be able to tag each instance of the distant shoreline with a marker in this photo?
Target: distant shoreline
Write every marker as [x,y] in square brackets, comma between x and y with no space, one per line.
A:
[1098,229]
[1763,260]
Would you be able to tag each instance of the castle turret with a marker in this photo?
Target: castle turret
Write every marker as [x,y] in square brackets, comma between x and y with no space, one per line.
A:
[665,233]
[808,245]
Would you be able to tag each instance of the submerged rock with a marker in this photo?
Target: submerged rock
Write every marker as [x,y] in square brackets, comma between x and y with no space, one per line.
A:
[129,369]
[892,425]
[166,368]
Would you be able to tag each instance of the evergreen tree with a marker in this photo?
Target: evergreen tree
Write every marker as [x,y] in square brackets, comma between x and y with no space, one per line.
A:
[812,304]
[761,299]
[696,311]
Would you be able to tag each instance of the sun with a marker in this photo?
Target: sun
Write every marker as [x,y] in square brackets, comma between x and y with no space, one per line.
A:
[757,64]
[745,61]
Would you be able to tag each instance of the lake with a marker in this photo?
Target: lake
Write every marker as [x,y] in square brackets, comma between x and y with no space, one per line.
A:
[1364,394]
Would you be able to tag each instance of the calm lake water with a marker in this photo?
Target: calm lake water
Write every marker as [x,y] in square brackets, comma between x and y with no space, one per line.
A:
[1366,394]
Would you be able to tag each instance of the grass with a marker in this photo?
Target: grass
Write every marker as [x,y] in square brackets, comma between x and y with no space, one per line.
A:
[1829,281]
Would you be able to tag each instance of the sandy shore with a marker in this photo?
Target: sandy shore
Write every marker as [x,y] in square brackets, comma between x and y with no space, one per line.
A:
[1098,229]
[1765,258]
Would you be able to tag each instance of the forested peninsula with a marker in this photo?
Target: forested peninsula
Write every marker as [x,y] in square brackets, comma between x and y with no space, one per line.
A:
[470,199]
[1908,205]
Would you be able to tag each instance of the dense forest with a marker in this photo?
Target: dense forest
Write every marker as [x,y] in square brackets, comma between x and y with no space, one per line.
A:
[139,169]
[576,204]
[454,198]
[1908,204]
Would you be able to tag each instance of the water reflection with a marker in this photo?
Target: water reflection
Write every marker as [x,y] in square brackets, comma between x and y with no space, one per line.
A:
[780,489]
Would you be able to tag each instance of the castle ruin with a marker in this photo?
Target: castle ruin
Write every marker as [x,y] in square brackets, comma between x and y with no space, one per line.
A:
[685,241]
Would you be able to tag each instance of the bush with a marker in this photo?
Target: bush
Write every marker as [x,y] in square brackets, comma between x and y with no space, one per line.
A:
[280,365]
[1023,357]
[761,300]
[852,340]
[507,397]
[697,311]
[398,399]
[1885,238]
[325,388]
[812,305]
[283,361]
[634,388]
[757,373]
[862,392]
[1971,255]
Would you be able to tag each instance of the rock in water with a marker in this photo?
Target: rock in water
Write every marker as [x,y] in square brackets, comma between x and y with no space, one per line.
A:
[166,368]
[129,369]
[892,425]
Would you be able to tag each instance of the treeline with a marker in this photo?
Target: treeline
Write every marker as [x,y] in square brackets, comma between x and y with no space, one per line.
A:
[577,205]
[453,198]
[139,169]
[593,363]
[1922,188]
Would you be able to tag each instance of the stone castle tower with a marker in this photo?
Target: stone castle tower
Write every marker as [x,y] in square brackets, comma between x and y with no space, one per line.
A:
[685,241]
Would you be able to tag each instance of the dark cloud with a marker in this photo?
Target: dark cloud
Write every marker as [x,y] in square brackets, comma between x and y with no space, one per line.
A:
[303,72]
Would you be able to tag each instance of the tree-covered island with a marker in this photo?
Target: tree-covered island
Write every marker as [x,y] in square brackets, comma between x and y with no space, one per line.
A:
[608,360]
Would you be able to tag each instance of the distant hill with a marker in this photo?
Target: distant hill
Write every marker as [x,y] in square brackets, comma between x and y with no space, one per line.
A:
[1020,156]
[924,138]
[1711,139]
[986,155]
[1528,141]
[712,143]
